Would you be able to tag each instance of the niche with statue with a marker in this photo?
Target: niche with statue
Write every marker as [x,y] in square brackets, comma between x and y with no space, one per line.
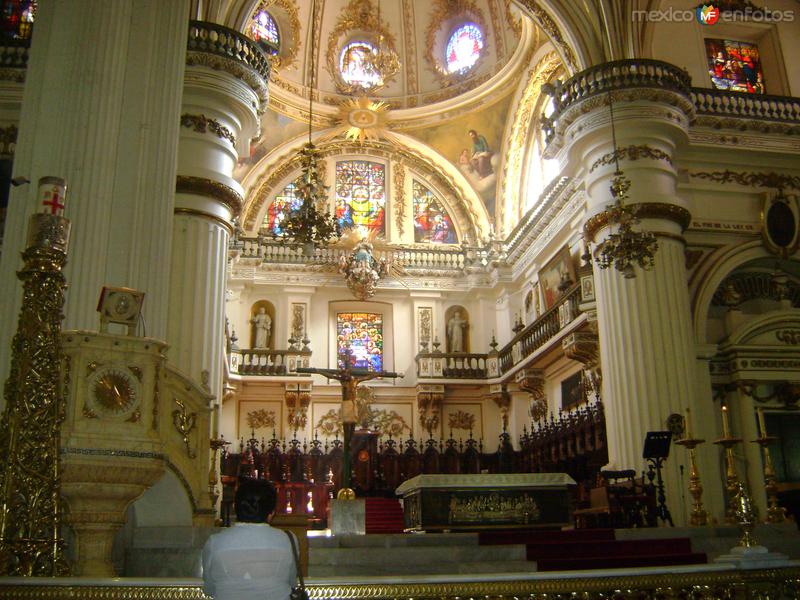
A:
[262,325]
[456,320]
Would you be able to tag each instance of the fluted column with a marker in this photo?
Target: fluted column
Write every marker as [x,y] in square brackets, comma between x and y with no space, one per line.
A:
[646,345]
[100,109]
[224,90]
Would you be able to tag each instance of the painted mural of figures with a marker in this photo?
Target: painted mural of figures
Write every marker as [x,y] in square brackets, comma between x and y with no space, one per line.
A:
[481,155]
[263,326]
[455,332]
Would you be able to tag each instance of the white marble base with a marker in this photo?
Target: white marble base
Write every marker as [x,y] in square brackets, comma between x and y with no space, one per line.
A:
[755,557]
[347,516]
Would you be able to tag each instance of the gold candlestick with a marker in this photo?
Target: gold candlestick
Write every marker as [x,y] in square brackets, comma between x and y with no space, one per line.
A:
[775,513]
[699,516]
[731,479]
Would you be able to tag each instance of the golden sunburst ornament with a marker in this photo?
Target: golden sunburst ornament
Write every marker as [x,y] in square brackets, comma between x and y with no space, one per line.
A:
[363,119]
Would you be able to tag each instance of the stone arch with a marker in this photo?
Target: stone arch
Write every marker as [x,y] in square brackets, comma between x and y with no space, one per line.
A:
[458,196]
[710,275]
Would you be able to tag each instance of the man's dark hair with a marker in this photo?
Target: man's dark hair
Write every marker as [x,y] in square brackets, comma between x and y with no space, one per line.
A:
[255,500]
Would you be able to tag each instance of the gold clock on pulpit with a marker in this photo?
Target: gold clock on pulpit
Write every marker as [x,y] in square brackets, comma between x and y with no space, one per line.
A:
[113,392]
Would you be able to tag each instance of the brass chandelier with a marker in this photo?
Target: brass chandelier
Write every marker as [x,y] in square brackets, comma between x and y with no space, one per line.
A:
[311,224]
[625,247]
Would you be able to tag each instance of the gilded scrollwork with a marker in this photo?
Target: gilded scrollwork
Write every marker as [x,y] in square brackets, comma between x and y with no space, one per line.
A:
[399,199]
[211,189]
[778,181]
[31,542]
[184,423]
[202,124]
[461,420]
[260,418]
[545,21]
[632,152]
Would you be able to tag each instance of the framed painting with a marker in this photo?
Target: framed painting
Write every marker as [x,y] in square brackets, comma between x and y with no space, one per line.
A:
[572,392]
[553,273]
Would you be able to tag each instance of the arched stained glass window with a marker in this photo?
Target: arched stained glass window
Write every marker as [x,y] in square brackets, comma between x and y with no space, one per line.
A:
[355,65]
[463,48]
[16,18]
[360,194]
[283,204]
[264,28]
[362,334]
[431,221]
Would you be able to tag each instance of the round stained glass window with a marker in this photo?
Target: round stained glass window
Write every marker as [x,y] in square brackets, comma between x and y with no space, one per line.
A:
[263,27]
[463,48]
[355,65]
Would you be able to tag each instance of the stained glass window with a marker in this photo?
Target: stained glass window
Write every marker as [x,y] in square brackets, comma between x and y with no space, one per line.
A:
[362,333]
[285,202]
[431,221]
[355,65]
[735,66]
[463,48]
[264,28]
[360,194]
[16,18]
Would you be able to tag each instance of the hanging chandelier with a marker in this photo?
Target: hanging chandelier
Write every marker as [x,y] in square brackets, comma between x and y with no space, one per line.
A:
[311,224]
[625,247]
[362,270]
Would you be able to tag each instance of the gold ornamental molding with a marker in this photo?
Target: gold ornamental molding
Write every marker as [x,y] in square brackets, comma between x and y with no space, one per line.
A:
[750,178]
[201,186]
[202,124]
[545,21]
[399,199]
[632,152]
[645,210]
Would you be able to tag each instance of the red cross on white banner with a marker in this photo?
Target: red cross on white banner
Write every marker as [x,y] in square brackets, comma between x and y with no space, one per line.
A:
[54,200]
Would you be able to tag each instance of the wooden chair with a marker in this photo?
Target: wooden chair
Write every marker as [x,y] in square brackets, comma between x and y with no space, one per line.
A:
[599,508]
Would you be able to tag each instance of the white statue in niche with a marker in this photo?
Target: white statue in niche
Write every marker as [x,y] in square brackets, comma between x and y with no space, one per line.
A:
[455,332]
[263,326]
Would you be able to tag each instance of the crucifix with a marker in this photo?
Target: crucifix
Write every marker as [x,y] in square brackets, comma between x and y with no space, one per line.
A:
[349,376]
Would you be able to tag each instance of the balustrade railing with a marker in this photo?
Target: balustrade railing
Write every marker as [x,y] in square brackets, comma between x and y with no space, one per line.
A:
[432,259]
[542,330]
[750,106]
[259,361]
[229,43]
[616,75]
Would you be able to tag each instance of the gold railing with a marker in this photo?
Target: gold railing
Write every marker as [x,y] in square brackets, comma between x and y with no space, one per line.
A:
[682,582]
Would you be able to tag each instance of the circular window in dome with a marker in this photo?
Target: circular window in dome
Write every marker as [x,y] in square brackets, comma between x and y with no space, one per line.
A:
[463,48]
[356,65]
[263,28]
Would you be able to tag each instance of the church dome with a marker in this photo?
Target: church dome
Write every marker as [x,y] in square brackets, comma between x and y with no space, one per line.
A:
[447,52]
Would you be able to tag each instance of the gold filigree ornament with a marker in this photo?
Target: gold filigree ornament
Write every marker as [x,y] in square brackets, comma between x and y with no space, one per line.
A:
[362,119]
[113,392]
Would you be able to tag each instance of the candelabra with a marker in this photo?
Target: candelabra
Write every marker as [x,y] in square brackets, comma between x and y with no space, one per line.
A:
[30,430]
[775,513]
[731,479]
[699,516]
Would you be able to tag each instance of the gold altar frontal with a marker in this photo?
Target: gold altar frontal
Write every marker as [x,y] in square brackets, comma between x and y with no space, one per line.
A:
[700,583]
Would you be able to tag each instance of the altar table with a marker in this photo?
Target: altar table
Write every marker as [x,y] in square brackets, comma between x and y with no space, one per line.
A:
[471,502]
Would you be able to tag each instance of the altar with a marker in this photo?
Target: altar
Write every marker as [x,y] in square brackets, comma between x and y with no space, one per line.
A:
[471,502]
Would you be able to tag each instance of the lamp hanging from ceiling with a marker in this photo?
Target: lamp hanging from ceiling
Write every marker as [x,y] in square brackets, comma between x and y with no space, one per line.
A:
[625,247]
[311,224]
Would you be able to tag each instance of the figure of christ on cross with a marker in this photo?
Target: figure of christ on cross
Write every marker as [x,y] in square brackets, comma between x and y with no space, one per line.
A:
[349,377]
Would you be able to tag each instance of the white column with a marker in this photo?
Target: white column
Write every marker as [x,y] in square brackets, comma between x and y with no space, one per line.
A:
[646,343]
[100,109]
[218,118]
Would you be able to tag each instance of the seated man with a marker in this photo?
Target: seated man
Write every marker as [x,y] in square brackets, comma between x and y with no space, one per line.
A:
[250,560]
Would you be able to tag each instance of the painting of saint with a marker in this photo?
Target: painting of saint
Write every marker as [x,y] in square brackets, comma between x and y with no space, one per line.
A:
[556,275]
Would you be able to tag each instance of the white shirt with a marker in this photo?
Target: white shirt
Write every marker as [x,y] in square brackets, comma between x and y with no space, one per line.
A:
[249,561]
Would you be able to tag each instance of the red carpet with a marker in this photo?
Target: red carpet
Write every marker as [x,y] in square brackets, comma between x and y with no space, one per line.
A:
[383,515]
[595,549]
